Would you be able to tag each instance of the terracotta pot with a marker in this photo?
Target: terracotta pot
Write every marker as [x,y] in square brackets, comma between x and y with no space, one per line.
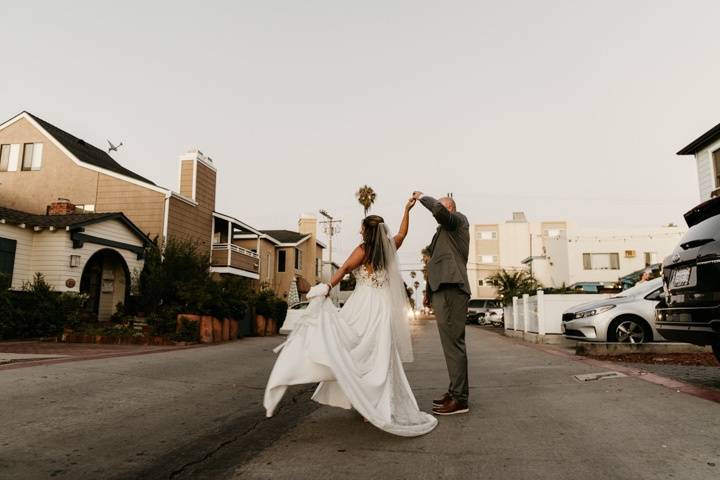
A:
[226,329]
[260,322]
[187,317]
[206,329]
[234,329]
[271,327]
[217,328]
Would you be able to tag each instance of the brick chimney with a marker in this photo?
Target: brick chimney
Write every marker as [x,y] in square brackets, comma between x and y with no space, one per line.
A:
[61,207]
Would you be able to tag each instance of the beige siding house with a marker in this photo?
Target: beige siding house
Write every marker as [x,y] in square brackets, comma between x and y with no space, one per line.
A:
[60,165]
[96,254]
[40,163]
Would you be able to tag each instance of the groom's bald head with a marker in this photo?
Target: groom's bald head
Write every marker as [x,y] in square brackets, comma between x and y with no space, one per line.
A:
[448,203]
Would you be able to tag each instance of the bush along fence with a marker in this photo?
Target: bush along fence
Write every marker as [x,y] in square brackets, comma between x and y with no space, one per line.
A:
[175,299]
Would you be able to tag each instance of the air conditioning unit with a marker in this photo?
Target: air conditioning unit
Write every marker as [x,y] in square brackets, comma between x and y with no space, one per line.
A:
[629,253]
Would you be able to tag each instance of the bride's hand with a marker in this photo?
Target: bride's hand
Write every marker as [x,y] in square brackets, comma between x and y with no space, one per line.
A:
[410,204]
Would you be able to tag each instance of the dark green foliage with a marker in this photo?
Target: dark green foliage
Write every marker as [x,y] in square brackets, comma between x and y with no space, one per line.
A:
[189,331]
[513,284]
[38,311]
[177,274]
[177,279]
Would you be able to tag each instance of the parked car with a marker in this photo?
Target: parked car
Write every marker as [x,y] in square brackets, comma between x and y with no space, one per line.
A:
[628,317]
[482,311]
[294,312]
[690,311]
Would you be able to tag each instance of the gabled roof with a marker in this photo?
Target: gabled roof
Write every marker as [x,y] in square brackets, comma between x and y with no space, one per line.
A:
[286,236]
[702,141]
[32,220]
[86,152]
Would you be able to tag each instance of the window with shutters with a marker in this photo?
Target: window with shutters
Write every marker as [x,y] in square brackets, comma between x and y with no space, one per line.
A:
[4,157]
[32,156]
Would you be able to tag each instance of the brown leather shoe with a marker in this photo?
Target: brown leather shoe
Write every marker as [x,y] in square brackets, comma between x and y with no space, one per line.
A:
[452,407]
[442,401]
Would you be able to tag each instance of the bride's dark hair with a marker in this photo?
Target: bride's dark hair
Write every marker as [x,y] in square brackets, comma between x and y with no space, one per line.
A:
[372,229]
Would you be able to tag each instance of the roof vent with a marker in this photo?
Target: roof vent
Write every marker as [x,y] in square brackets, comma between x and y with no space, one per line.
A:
[519,217]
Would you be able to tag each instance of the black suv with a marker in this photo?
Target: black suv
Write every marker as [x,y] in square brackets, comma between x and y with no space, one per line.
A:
[690,311]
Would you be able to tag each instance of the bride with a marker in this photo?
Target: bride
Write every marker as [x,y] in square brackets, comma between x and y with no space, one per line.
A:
[356,354]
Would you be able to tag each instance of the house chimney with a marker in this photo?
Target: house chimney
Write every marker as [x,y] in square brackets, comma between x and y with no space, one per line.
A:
[198,178]
[519,217]
[63,206]
[308,224]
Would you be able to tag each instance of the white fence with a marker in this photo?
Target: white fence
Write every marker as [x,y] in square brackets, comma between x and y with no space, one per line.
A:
[541,313]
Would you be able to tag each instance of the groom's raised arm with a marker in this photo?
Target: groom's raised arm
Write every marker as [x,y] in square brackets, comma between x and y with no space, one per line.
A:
[444,217]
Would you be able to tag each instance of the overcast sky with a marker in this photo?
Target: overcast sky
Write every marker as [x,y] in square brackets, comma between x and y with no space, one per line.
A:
[567,110]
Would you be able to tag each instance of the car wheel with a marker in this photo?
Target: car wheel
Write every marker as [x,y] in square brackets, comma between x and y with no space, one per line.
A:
[629,329]
[716,351]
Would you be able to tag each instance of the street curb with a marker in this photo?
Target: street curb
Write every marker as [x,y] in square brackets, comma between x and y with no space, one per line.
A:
[15,365]
[609,348]
[669,383]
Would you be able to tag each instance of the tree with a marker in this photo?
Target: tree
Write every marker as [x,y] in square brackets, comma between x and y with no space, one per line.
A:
[366,197]
[513,284]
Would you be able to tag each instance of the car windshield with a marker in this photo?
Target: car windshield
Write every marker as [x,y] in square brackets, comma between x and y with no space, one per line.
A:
[641,288]
[704,232]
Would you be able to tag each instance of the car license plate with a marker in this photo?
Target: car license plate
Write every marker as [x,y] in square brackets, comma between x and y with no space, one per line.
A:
[681,278]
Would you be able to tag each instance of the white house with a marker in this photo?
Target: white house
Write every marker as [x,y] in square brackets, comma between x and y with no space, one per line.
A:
[92,253]
[706,149]
[600,255]
[560,253]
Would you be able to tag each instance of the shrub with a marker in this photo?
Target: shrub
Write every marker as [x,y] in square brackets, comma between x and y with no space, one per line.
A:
[38,311]
[189,331]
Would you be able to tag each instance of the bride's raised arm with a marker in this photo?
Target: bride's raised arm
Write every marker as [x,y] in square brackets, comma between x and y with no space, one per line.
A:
[405,224]
[355,259]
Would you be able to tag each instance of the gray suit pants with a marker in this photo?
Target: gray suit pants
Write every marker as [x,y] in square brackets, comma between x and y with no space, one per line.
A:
[450,306]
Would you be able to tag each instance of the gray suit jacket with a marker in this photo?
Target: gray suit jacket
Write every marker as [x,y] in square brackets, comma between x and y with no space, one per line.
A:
[449,247]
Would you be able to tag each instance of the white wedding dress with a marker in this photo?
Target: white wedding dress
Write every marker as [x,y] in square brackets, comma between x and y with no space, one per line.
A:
[354,355]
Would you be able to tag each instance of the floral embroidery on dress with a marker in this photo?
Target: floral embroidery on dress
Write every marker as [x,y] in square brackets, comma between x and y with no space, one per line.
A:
[375,279]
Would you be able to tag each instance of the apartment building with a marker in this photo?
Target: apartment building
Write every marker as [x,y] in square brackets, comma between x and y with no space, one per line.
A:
[560,253]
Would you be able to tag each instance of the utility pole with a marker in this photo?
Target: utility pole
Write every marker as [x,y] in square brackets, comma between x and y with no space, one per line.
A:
[331,227]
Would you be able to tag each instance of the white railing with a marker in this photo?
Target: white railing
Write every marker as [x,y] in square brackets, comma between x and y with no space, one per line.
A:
[235,249]
[541,313]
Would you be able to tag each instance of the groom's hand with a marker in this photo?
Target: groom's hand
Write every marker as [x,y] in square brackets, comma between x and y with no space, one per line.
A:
[417,194]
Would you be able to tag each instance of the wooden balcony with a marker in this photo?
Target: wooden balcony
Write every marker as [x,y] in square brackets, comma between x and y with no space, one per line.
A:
[234,260]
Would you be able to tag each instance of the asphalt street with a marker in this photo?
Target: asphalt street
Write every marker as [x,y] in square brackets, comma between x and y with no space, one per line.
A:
[196,413]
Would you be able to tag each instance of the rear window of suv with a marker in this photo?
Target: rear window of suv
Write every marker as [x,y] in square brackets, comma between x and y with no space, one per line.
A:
[707,229]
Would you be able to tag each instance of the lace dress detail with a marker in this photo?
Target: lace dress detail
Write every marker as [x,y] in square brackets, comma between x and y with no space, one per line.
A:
[375,279]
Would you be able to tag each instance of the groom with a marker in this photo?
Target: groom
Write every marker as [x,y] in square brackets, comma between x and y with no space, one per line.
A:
[449,292]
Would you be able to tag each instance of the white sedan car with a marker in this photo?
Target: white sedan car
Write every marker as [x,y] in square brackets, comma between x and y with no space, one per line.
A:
[628,317]
[294,312]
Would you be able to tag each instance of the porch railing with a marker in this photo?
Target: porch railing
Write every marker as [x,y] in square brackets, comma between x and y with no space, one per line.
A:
[235,249]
